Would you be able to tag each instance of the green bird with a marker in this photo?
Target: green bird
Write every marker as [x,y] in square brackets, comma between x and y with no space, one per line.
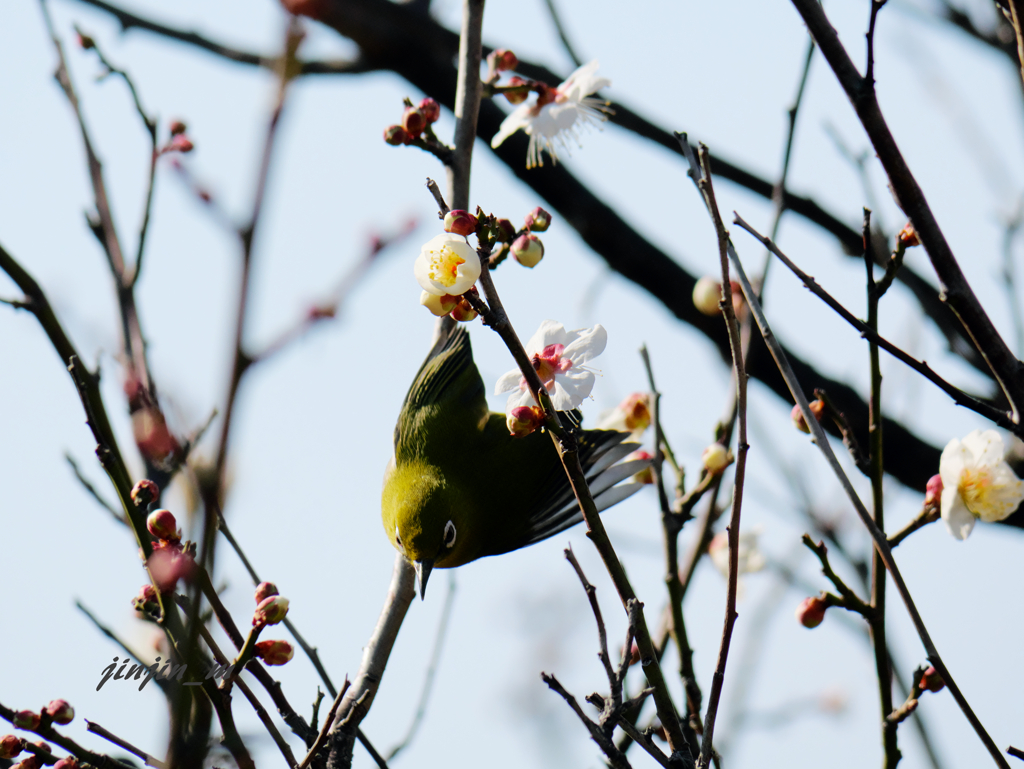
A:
[460,487]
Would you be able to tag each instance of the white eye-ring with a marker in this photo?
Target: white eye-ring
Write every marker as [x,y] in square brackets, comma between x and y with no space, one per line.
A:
[449,534]
[398,538]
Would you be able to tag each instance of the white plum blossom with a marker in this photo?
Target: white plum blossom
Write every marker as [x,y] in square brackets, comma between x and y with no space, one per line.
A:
[977,482]
[557,115]
[447,264]
[558,357]
[750,558]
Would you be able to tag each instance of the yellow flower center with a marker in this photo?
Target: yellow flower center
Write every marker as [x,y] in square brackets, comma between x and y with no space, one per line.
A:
[975,489]
[444,265]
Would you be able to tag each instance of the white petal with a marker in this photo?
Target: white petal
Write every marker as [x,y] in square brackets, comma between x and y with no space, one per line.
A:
[958,519]
[518,118]
[987,447]
[421,269]
[519,398]
[550,332]
[955,457]
[589,343]
[583,82]
[1004,495]
[510,380]
[573,388]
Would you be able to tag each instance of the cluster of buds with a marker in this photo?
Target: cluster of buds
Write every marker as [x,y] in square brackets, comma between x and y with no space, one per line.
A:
[179,141]
[515,89]
[171,559]
[817,408]
[271,607]
[707,294]
[416,122]
[811,611]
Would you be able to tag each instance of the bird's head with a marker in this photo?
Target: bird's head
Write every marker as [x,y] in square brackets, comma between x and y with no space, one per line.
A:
[424,518]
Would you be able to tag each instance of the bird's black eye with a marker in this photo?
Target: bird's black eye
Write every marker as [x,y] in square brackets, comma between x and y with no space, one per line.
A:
[449,534]
[398,538]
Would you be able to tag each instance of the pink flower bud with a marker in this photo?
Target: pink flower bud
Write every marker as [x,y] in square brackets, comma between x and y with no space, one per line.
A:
[274,652]
[10,746]
[634,654]
[413,121]
[506,232]
[177,127]
[637,410]
[933,491]
[517,96]
[932,681]
[706,295]
[271,610]
[646,475]
[528,250]
[26,719]
[817,408]
[463,311]
[715,458]
[538,220]
[147,594]
[811,612]
[145,492]
[523,420]
[169,563]
[502,60]
[179,143]
[60,711]
[152,436]
[430,110]
[439,305]
[68,762]
[396,136]
[460,222]
[32,762]
[43,745]
[265,590]
[163,525]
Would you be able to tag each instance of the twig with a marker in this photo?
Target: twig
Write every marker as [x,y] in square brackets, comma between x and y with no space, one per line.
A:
[959,396]
[928,514]
[87,484]
[562,35]
[850,600]
[321,738]
[48,733]
[707,188]
[1015,752]
[428,680]
[671,524]
[149,760]
[957,292]
[616,758]
[467,103]
[357,701]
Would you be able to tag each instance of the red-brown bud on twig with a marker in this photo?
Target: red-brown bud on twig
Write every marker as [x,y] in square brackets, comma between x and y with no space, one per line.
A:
[145,492]
[265,590]
[538,220]
[68,762]
[413,121]
[274,652]
[811,612]
[430,110]
[395,135]
[908,236]
[523,420]
[817,408]
[163,525]
[177,127]
[26,719]
[502,60]
[10,746]
[932,681]
[270,611]
[528,250]
[518,96]
[933,491]
[60,711]
[460,222]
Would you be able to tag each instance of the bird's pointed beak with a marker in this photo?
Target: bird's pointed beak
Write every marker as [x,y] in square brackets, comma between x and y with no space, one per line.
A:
[423,569]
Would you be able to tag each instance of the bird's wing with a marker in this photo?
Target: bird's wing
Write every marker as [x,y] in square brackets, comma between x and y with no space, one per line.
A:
[446,398]
[551,505]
